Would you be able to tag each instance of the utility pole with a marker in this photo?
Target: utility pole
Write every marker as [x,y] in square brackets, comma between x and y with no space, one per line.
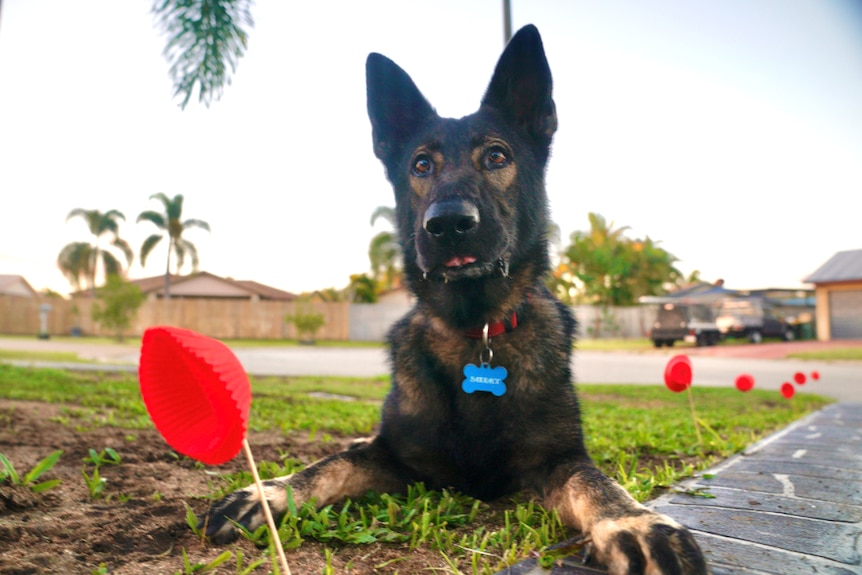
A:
[507,21]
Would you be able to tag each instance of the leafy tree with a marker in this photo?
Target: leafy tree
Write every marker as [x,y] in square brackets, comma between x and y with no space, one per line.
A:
[362,289]
[306,322]
[330,294]
[609,269]
[118,301]
[385,252]
[80,262]
[170,223]
[652,269]
[694,277]
[204,38]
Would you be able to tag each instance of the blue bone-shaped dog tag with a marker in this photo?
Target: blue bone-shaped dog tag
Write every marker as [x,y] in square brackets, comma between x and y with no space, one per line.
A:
[484,378]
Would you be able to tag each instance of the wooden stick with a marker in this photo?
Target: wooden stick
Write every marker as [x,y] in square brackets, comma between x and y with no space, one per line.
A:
[273,532]
[694,415]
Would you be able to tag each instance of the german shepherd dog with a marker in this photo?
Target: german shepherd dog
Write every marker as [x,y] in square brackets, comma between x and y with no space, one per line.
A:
[482,399]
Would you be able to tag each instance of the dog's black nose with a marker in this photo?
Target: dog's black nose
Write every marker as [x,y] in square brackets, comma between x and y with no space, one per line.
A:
[451,217]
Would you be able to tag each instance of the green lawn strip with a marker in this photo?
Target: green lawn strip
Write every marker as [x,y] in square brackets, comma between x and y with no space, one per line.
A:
[53,356]
[838,354]
[245,343]
[130,341]
[614,344]
[642,435]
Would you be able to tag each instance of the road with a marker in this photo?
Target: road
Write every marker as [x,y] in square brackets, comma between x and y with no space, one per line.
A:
[713,367]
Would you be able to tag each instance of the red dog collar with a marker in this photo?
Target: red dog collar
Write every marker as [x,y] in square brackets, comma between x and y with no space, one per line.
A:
[495,328]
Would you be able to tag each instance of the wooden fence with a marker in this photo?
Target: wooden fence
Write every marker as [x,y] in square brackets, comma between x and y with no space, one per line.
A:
[223,319]
[233,319]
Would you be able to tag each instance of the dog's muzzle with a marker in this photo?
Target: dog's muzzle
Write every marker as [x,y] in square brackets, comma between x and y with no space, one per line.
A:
[451,219]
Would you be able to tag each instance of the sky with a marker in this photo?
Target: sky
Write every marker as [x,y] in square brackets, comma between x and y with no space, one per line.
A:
[731,132]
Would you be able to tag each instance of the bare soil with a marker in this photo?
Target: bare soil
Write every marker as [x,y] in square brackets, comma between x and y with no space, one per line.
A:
[138,526]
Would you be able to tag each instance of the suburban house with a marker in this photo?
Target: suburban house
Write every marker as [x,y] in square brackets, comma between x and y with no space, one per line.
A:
[204,285]
[16,285]
[838,289]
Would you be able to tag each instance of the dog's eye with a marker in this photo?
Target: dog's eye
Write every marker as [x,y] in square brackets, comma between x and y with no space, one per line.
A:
[422,165]
[496,158]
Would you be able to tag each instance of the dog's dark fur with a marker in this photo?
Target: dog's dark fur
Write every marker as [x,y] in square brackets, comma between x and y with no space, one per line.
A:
[472,218]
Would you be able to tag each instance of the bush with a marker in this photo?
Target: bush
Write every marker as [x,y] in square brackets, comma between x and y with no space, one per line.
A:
[307,323]
[118,303]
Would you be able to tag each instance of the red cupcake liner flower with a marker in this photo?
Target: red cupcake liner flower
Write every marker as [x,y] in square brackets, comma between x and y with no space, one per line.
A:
[678,374]
[196,391]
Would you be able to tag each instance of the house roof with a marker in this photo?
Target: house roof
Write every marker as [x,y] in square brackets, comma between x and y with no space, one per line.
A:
[702,292]
[265,291]
[15,285]
[843,266]
[207,285]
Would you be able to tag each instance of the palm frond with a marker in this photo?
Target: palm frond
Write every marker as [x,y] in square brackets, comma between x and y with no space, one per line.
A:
[124,247]
[114,215]
[190,249]
[148,246]
[196,224]
[174,207]
[385,212]
[205,37]
[112,264]
[77,213]
[74,262]
[180,250]
[153,217]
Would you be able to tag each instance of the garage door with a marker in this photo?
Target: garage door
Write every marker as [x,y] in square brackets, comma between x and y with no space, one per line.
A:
[845,314]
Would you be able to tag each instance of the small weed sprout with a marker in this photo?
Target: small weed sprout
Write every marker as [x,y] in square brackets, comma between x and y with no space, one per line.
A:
[8,473]
[189,569]
[95,482]
[106,457]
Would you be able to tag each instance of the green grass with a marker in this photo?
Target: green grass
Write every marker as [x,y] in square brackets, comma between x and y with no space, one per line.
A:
[53,356]
[840,354]
[641,435]
[131,341]
[614,344]
[242,343]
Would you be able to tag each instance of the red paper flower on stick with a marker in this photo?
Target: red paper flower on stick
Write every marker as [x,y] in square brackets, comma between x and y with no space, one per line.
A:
[787,389]
[677,373]
[745,382]
[196,391]
[799,378]
[815,375]
[198,396]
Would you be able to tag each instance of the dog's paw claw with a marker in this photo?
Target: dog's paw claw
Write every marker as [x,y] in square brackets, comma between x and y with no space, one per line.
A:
[649,543]
[241,508]
[237,508]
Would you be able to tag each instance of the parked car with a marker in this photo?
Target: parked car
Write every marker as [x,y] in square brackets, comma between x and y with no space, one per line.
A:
[689,322]
[752,318]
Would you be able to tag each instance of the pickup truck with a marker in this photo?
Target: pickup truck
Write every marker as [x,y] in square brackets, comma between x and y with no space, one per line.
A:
[688,322]
[752,318]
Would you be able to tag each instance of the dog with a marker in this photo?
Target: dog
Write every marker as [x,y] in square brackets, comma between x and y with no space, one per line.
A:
[482,398]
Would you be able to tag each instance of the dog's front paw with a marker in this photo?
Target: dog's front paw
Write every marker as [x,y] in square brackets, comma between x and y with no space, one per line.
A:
[243,507]
[646,544]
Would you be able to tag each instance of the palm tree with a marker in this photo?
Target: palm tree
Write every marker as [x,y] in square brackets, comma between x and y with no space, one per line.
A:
[171,223]
[80,261]
[384,251]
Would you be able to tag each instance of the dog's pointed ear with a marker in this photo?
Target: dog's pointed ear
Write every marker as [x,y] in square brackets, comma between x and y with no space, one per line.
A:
[395,106]
[521,86]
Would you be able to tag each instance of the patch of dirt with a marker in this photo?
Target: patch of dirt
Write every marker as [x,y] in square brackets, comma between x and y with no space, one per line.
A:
[139,525]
